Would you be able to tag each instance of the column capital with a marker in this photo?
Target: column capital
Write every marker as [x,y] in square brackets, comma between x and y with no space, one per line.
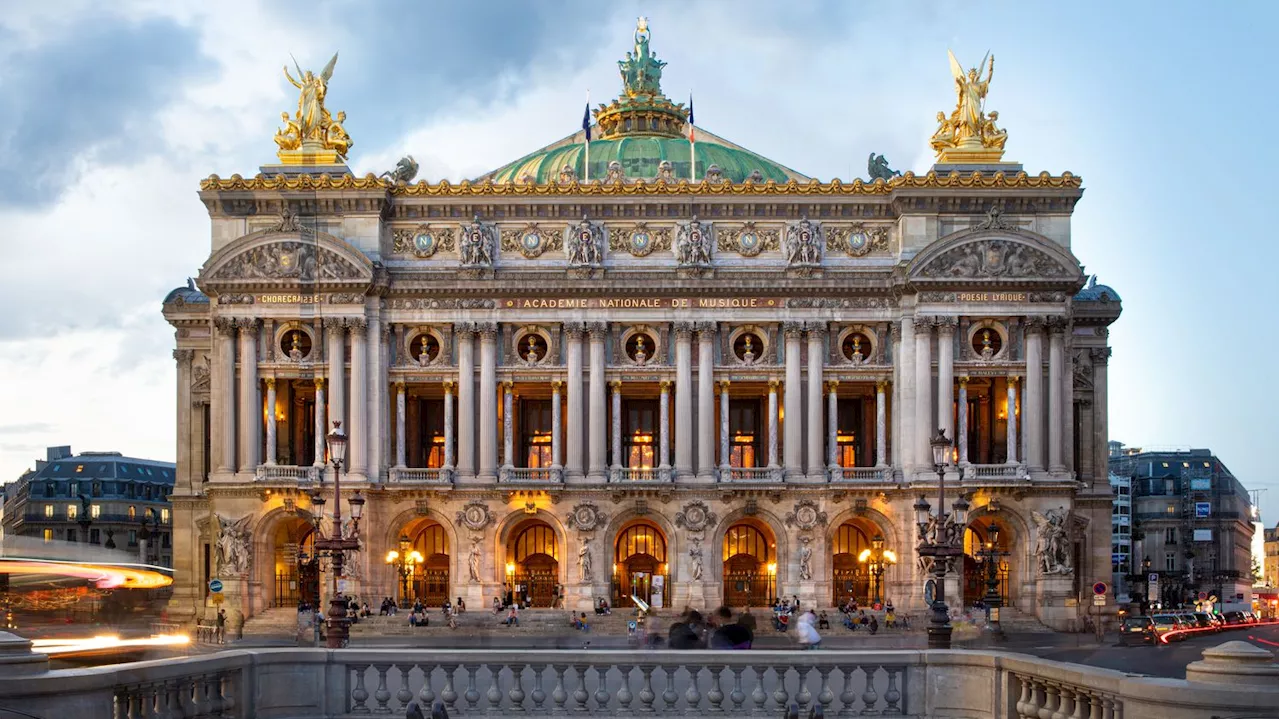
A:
[1013,380]
[924,323]
[664,386]
[793,329]
[895,331]
[1034,324]
[946,324]
[706,330]
[963,380]
[334,323]
[1100,355]
[773,384]
[448,386]
[616,386]
[184,357]
[356,324]
[883,384]
[722,385]
[815,329]
[1056,324]
[400,387]
[319,383]
[556,385]
[598,331]
[248,323]
[832,384]
[683,330]
[508,385]
[488,331]
[575,330]
[464,330]
[225,326]
[271,382]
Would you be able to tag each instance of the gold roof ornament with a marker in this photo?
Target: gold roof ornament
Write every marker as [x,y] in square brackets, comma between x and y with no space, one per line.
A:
[312,136]
[969,135]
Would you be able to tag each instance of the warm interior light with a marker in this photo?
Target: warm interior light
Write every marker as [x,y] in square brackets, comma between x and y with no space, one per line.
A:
[773,568]
[511,568]
[864,555]
[416,557]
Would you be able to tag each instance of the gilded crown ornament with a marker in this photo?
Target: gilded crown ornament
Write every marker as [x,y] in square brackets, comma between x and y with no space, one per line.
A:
[969,134]
[312,136]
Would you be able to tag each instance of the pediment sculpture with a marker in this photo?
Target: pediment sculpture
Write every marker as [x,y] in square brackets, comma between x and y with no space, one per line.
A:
[478,242]
[994,258]
[803,244]
[584,244]
[288,260]
[693,243]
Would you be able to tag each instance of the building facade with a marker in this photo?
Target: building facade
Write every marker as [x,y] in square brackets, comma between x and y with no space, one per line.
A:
[1196,520]
[1271,557]
[1122,566]
[596,378]
[99,498]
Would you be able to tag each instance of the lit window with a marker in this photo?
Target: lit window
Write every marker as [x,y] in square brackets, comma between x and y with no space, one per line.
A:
[1166,464]
[48,535]
[95,510]
[72,511]
[79,468]
[164,516]
[133,512]
[48,510]
[1186,464]
[1206,464]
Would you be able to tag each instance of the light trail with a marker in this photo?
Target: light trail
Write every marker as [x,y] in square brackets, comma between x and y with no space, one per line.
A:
[103,576]
[59,647]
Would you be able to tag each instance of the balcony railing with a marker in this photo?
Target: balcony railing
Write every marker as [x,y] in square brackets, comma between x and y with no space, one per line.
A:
[869,475]
[420,475]
[531,475]
[287,473]
[636,474]
[990,472]
[747,475]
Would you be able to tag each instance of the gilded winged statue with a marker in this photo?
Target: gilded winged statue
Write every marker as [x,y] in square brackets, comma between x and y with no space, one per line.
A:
[312,87]
[969,127]
[312,130]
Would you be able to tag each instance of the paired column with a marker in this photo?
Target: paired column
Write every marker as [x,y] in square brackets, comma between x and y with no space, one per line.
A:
[684,400]
[320,424]
[595,402]
[792,446]
[1033,393]
[555,424]
[465,335]
[1099,437]
[250,405]
[706,401]
[882,459]
[615,424]
[271,421]
[358,439]
[962,409]
[946,339]
[816,460]
[488,461]
[224,397]
[1011,426]
[400,422]
[186,472]
[723,387]
[573,427]
[833,421]
[508,424]
[448,426]
[1056,432]
[335,334]
[773,423]
[664,423]
[905,409]
[924,403]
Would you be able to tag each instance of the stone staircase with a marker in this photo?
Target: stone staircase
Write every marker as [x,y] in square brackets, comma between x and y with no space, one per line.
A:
[533,622]
[273,622]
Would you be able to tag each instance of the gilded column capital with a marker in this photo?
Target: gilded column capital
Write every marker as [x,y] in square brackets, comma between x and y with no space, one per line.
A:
[575,330]
[488,331]
[832,385]
[400,387]
[683,330]
[793,329]
[1100,355]
[598,331]
[722,385]
[270,382]
[1013,380]
[356,324]
[184,357]
[556,385]
[508,385]
[319,383]
[225,326]
[664,386]
[448,386]
[963,380]
[616,386]
[882,385]
[773,384]
[464,330]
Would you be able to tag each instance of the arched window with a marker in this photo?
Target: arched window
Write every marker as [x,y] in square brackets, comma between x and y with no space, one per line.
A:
[850,539]
[746,539]
[641,539]
[535,539]
[431,540]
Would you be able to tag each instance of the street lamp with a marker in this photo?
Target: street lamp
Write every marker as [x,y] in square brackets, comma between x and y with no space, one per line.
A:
[334,544]
[145,534]
[991,555]
[877,559]
[404,561]
[941,538]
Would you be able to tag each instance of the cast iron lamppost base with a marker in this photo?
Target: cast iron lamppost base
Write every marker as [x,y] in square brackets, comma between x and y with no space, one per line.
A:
[941,538]
[334,544]
[404,562]
[991,555]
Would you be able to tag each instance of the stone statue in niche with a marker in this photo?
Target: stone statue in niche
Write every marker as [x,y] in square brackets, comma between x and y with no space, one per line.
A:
[584,244]
[695,560]
[424,352]
[474,558]
[584,563]
[806,560]
[693,244]
[640,355]
[1053,545]
[477,244]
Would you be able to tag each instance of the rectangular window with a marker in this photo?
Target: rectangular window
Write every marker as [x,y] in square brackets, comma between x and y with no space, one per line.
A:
[744,433]
[164,516]
[71,535]
[73,511]
[430,450]
[640,433]
[849,433]
[535,432]
[48,511]
[164,540]
[95,510]
[133,537]
[48,535]
[95,537]
[1170,535]
[1168,561]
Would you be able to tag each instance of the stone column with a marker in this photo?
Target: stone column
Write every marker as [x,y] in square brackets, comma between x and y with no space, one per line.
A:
[335,332]
[377,408]
[881,458]
[1033,406]
[816,461]
[706,402]
[905,411]
[185,470]
[223,410]
[792,445]
[664,424]
[358,439]
[556,461]
[1011,424]
[684,400]
[615,425]
[400,419]
[250,405]
[508,424]
[574,331]
[962,431]
[488,460]
[597,419]
[1100,356]
[723,388]
[1055,396]
[946,352]
[924,399]
[271,421]
[448,427]
[833,423]
[320,424]
[773,423]
[466,452]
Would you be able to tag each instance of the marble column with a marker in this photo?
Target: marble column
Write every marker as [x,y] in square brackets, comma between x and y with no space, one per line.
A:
[773,423]
[508,424]
[574,331]
[1099,437]
[881,458]
[466,448]
[377,389]
[488,460]
[400,420]
[684,400]
[320,431]
[185,471]
[962,431]
[905,410]
[556,460]
[335,330]
[1033,406]
[1011,426]
[358,439]
[597,419]
[1068,413]
[833,424]
[250,406]
[706,401]
[271,421]
[816,462]
[664,424]
[793,422]
[946,353]
[924,398]
[615,425]
[723,388]
[448,426]
[1055,396]
[222,379]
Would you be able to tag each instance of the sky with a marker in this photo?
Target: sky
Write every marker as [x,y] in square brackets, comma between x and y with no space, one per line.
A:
[113,112]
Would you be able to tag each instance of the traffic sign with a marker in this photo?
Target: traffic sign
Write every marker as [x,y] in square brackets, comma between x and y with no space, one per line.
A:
[1153,578]
[1202,596]
[1099,600]
[215,585]
[1099,588]
[217,598]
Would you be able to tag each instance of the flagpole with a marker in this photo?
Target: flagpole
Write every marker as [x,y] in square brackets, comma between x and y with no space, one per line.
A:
[586,165]
[693,162]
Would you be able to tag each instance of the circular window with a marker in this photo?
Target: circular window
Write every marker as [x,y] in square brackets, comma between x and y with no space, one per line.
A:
[640,348]
[747,347]
[424,348]
[533,348]
[987,343]
[856,348]
[295,344]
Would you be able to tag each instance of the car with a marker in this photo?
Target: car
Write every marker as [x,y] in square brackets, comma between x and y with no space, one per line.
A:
[1167,623]
[1218,621]
[1204,621]
[1137,630]
[1250,618]
[1233,618]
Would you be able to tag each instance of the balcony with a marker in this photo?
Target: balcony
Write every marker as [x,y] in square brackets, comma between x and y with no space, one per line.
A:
[531,475]
[751,475]
[996,473]
[622,475]
[420,475]
[860,475]
[287,473]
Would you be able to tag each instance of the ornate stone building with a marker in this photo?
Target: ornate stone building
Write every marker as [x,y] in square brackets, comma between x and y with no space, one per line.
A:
[599,378]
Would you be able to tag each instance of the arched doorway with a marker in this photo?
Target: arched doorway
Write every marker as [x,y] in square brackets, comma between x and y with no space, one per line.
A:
[534,564]
[750,565]
[978,561]
[851,575]
[640,566]
[297,571]
[430,581]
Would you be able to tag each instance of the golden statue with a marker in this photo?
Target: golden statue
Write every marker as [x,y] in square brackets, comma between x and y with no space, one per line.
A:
[969,134]
[312,136]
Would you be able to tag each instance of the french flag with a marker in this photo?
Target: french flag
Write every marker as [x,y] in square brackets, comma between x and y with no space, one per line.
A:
[691,137]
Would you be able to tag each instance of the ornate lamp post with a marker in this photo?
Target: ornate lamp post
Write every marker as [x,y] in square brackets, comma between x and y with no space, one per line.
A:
[334,544]
[404,561]
[991,555]
[877,559]
[941,538]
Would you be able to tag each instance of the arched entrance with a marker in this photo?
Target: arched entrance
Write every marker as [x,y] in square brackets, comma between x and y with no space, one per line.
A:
[430,581]
[851,572]
[978,560]
[297,572]
[640,566]
[534,564]
[750,565]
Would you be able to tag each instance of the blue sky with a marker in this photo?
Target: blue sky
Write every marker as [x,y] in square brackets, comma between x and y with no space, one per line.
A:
[113,114]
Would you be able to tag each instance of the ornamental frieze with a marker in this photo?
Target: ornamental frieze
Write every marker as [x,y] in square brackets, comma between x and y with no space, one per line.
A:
[639,240]
[747,240]
[840,303]
[531,241]
[445,303]
[288,260]
[422,241]
[994,258]
[857,240]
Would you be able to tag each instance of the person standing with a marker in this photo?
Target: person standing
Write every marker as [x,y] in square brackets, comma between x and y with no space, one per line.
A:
[806,632]
[222,626]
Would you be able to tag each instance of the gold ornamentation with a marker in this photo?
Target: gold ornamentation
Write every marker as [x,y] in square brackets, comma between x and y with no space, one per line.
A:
[639,240]
[747,240]
[422,241]
[969,134]
[531,240]
[858,240]
[312,136]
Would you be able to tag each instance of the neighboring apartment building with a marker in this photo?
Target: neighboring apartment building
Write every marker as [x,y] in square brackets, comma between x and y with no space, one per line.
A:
[1196,519]
[102,498]
[1121,537]
[1271,561]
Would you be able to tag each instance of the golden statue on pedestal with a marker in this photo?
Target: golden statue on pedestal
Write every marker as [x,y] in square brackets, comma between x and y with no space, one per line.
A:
[312,136]
[969,134]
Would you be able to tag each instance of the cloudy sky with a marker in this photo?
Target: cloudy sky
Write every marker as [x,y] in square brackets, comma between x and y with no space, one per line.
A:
[112,112]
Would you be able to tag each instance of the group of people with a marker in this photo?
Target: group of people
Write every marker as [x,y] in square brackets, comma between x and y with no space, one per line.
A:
[722,630]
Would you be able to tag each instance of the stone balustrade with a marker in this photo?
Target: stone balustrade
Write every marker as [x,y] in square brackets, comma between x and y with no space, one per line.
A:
[315,684]
[747,475]
[635,474]
[862,475]
[995,472]
[528,475]
[420,475]
[286,472]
